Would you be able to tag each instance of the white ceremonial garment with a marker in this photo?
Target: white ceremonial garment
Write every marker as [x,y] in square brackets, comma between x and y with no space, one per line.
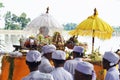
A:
[112,74]
[37,75]
[119,66]
[45,66]
[61,74]
[70,65]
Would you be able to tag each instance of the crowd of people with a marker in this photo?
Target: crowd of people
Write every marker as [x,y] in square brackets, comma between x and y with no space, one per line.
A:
[51,64]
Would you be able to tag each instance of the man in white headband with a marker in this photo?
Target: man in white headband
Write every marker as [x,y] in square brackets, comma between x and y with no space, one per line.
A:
[84,71]
[47,51]
[59,73]
[110,60]
[33,59]
[77,57]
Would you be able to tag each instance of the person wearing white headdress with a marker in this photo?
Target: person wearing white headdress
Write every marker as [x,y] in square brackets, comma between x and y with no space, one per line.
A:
[118,52]
[59,73]
[45,65]
[110,60]
[77,57]
[84,71]
[33,59]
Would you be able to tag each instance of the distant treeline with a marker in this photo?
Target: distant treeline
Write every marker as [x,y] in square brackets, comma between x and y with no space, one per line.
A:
[71,26]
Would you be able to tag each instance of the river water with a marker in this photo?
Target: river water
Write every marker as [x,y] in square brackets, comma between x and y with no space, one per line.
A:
[8,40]
[102,45]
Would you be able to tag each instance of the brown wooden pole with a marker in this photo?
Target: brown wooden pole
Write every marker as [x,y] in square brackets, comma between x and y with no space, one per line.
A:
[93,41]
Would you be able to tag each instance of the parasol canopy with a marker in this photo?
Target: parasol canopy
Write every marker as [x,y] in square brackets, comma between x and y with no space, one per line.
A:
[44,20]
[95,27]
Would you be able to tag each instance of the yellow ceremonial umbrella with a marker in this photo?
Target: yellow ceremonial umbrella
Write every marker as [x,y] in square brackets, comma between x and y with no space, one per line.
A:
[95,27]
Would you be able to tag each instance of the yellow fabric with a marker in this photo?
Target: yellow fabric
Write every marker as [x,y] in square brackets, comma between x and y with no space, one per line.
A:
[101,29]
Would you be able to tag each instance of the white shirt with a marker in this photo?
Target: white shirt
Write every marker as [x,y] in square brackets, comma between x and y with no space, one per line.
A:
[36,75]
[61,74]
[119,65]
[45,66]
[70,65]
[112,74]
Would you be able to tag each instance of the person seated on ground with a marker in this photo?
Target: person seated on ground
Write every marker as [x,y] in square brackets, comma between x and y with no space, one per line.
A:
[110,60]
[33,59]
[46,65]
[59,73]
[84,71]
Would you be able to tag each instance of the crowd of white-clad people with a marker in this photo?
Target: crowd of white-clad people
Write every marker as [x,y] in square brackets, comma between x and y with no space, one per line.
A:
[41,68]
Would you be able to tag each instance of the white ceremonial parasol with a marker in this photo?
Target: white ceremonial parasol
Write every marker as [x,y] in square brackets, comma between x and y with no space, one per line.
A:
[44,20]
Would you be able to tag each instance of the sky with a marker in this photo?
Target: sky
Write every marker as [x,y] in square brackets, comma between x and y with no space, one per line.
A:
[65,11]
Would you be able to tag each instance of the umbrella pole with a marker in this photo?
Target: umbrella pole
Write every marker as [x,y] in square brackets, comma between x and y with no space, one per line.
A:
[92,44]
[93,41]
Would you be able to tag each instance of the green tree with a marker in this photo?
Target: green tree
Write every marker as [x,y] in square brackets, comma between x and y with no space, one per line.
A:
[8,20]
[14,22]
[69,26]
[1,5]
[23,20]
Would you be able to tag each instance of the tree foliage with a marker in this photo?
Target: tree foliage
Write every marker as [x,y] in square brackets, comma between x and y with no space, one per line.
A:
[69,26]
[116,29]
[14,22]
[1,5]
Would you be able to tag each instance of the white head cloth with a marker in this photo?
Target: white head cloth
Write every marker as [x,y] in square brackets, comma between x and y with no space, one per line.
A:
[111,57]
[79,49]
[85,67]
[48,49]
[16,54]
[33,56]
[59,55]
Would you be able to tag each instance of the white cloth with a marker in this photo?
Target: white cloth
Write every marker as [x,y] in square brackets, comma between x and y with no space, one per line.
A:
[59,55]
[16,54]
[119,65]
[112,74]
[33,56]
[36,75]
[111,57]
[79,49]
[61,74]
[45,66]
[3,52]
[85,67]
[71,64]
[48,49]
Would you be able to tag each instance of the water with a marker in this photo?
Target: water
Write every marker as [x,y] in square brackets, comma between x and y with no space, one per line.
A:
[102,45]
[8,40]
